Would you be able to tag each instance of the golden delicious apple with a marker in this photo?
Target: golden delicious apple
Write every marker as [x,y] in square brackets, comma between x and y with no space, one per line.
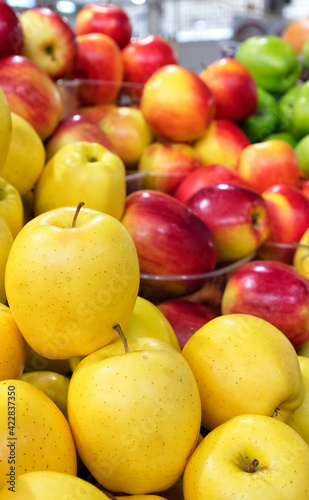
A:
[135,415]
[299,420]
[243,364]
[251,457]
[6,240]
[34,433]
[84,171]
[26,156]
[13,346]
[5,127]
[69,284]
[11,206]
[148,321]
[49,485]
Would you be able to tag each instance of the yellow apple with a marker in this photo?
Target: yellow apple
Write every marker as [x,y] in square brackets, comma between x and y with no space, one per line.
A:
[249,457]
[301,256]
[148,321]
[243,364]
[135,415]
[70,278]
[49,485]
[34,434]
[11,207]
[13,346]
[5,128]
[6,241]
[82,171]
[299,420]
[26,156]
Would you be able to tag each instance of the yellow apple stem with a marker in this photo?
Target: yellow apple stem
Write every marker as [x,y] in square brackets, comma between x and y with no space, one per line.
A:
[253,465]
[121,335]
[79,206]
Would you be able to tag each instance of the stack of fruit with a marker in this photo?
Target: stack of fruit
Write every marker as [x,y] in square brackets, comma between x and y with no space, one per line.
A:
[105,393]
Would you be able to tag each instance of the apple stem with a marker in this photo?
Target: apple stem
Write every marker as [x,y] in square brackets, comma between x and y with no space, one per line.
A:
[121,335]
[79,206]
[253,465]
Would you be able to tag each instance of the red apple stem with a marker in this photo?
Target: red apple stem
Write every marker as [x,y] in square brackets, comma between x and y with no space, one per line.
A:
[252,466]
[121,335]
[79,206]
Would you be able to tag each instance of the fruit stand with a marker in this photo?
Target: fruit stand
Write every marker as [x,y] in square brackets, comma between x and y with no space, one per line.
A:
[154,257]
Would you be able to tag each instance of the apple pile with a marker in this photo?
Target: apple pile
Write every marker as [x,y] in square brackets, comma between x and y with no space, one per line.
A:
[155,337]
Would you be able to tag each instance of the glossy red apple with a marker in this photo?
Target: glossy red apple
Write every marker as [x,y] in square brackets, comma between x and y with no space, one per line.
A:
[177,104]
[99,63]
[222,143]
[142,57]
[305,188]
[186,317]
[106,18]
[289,219]
[170,239]
[49,41]
[31,93]
[237,216]
[234,89]
[205,176]
[76,128]
[273,291]
[11,34]
[265,164]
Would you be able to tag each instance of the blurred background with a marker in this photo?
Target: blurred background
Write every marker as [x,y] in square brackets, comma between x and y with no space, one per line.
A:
[199,30]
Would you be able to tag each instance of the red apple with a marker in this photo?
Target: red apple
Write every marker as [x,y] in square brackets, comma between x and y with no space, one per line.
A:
[170,239]
[105,18]
[273,291]
[267,163]
[31,93]
[142,57]
[205,176]
[186,317]
[49,41]
[221,143]
[289,219]
[234,89]
[11,34]
[166,164]
[96,112]
[237,216]
[177,104]
[305,188]
[98,61]
[76,128]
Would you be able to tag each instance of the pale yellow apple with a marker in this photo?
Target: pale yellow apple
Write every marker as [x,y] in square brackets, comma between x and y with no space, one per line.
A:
[37,436]
[69,283]
[299,420]
[11,206]
[82,171]
[243,364]
[49,485]
[26,156]
[6,241]
[5,128]
[13,346]
[252,457]
[148,321]
[301,256]
[135,415]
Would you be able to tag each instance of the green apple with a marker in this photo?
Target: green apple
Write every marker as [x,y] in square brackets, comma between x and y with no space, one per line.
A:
[84,171]
[294,109]
[11,206]
[135,414]
[243,364]
[299,420]
[6,241]
[249,457]
[70,277]
[282,136]
[273,62]
[302,153]
[265,119]
[305,52]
